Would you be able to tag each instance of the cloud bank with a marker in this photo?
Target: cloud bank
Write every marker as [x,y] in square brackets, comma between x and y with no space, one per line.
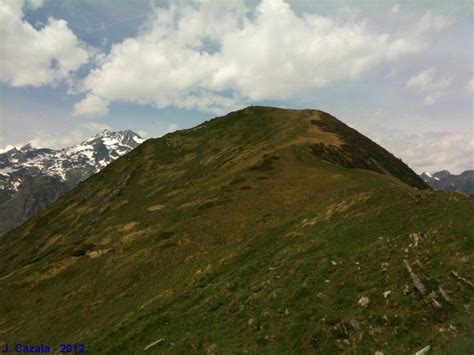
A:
[217,56]
[426,83]
[35,57]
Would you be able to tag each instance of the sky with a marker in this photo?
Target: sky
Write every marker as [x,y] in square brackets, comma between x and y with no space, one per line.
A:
[400,72]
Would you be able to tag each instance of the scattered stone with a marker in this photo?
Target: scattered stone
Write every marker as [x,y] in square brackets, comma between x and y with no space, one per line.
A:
[251,320]
[444,294]
[96,253]
[333,263]
[364,301]
[415,279]
[415,238]
[432,297]
[420,287]
[153,344]
[326,281]
[387,293]
[423,351]
[379,353]
[460,278]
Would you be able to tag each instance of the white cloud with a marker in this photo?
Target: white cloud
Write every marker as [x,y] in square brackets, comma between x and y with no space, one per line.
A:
[91,106]
[58,140]
[35,4]
[216,56]
[395,9]
[423,149]
[470,86]
[170,127]
[36,57]
[436,150]
[426,83]
[432,22]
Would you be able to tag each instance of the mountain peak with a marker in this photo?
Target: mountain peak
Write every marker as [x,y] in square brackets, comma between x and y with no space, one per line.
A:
[442,174]
[7,149]
[444,180]
[327,137]
[29,172]
[27,147]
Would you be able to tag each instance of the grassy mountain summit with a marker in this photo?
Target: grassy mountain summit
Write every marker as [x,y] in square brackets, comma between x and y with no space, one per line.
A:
[264,231]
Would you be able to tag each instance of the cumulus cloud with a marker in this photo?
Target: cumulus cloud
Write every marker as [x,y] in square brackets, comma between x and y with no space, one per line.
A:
[424,149]
[395,9]
[435,150]
[34,4]
[432,22]
[32,57]
[216,56]
[426,83]
[470,86]
[58,140]
[91,106]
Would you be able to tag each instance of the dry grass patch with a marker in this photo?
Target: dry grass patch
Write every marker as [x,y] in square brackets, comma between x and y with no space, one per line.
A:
[128,227]
[155,208]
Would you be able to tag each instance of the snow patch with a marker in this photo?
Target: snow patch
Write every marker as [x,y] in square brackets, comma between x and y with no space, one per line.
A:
[7,149]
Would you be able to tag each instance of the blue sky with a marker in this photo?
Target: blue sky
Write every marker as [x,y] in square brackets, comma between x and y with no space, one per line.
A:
[398,71]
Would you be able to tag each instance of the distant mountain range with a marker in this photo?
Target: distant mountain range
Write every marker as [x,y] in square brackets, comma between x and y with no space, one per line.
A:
[444,180]
[31,178]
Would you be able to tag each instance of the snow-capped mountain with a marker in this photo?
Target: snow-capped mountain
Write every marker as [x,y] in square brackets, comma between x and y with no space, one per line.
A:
[38,170]
[444,180]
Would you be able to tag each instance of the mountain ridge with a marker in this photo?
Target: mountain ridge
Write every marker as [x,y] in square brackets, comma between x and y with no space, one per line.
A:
[237,236]
[444,180]
[29,174]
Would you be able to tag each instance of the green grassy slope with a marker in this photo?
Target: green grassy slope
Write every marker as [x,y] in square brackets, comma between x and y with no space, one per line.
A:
[258,232]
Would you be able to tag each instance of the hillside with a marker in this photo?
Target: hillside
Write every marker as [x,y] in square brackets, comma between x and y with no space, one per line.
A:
[31,178]
[265,231]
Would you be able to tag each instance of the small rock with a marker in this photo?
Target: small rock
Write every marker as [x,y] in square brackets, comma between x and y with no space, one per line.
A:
[378,353]
[333,263]
[423,351]
[387,293]
[326,281]
[251,320]
[153,344]
[364,301]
